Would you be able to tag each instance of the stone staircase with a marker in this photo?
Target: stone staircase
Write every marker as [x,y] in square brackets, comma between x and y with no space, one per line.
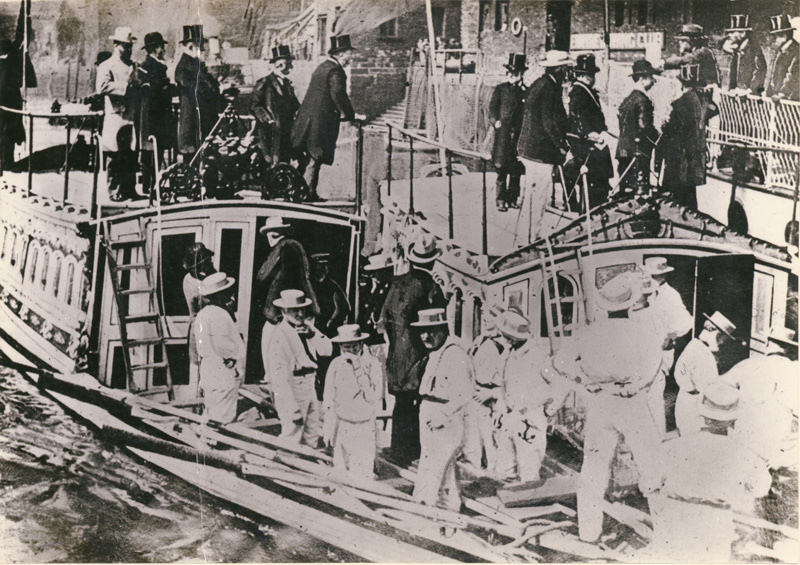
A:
[394,115]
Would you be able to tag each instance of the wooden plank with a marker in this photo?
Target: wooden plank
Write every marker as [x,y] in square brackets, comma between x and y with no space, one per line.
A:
[555,488]
[755,522]
[530,512]
[537,530]
[345,535]
[492,513]
[558,540]
[631,517]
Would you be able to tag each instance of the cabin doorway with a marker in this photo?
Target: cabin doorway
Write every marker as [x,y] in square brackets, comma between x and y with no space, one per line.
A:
[558,25]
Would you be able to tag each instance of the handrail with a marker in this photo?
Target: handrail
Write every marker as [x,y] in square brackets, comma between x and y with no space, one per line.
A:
[51,114]
[408,133]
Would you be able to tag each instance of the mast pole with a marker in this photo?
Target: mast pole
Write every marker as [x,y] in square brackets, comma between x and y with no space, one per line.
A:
[25,53]
[607,41]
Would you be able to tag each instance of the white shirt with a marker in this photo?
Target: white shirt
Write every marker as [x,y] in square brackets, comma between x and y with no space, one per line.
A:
[191,291]
[217,336]
[669,309]
[696,368]
[353,387]
[449,377]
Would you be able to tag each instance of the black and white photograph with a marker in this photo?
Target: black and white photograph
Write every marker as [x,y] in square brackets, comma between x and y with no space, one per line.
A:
[396,281]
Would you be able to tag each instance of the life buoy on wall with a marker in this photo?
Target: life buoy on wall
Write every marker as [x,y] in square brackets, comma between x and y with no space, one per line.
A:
[516,26]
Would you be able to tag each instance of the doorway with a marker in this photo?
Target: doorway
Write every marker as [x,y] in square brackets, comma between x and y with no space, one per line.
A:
[558,25]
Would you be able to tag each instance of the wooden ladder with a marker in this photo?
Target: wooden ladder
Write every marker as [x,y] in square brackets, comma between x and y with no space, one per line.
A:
[153,315]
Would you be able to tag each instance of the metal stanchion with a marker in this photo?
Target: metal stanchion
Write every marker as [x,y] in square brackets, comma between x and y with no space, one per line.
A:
[389,163]
[66,163]
[450,219]
[411,176]
[484,214]
[30,154]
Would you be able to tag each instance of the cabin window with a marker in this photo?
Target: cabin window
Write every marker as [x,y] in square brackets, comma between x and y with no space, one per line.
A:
[70,283]
[173,250]
[565,317]
[477,314]
[32,264]
[230,252]
[56,276]
[458,312]
[483,16]
[45,268]
[501,15]
[388,29]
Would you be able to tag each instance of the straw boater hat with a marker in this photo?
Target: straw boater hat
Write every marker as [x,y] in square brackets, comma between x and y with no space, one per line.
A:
[722,323]
[556,58]
[620,293]
[292,299]
[423,251]
[280,52]
[378,261]
[514,325]
[123,34]
[780,23]
[431,317]
[654,266]
[273,223]
[720,402]
[340,43]
[740,22]
[585,64]
[197,254]
[216,282]
[349,333]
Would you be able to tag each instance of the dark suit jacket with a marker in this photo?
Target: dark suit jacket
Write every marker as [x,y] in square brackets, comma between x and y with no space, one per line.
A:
[326,103]
[709,71]
[200,102]
[408,294]
[286,267]
[274,105]
[506,106]
[785,78]
[636,121]
[545,122]
[155,96]
[683,143]
[333,305]
[748,67]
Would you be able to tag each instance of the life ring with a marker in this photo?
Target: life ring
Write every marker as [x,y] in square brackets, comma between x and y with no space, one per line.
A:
[516,27]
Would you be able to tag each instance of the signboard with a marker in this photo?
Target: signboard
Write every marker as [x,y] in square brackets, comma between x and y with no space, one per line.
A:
[637,40]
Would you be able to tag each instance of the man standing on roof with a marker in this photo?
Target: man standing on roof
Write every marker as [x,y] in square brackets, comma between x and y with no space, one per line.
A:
[693,49]
[637,134]
[505,115]
[784,79]
[542,142]
[274,105]
[326,103]
[748,65]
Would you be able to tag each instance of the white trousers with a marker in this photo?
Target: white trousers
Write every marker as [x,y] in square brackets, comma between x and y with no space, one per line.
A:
[656,402]
[687,413]
[539,187]
[354,448]
[305,396]
[436,483]
[488,435]
[520,457]
[473,441]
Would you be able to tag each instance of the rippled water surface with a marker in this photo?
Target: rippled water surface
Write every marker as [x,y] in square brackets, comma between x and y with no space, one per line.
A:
[66,495]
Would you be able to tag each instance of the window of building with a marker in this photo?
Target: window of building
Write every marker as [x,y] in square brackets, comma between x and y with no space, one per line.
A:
[439,23]
[388,29]
[619,12]
[641,14]
[173,249]
[483,15]
[322,34]
[501,15]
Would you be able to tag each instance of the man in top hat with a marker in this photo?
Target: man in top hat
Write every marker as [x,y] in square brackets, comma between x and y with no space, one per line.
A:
[117,81]
[683,139]
[637,134]
[616,361]
[784,78]
[505,115]
[155,112]
[291,361]
[697,368]
[274,105]
[408,293]
[588,135]
[693,48]
[542,142]
[333,304]
[748,66]
[325,104]
[220,348]
[200,99]
[445,391]
[352,399]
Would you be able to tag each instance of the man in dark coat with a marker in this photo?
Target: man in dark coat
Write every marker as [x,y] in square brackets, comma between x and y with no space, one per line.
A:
[542,144]
[505,115]
[333,304]
[586,128]
[200,99]
[683,141]
[155,112]
[748,66]
[405,362]
[692,48]
[274,105]
[784,80]
[326,103]
[637,134]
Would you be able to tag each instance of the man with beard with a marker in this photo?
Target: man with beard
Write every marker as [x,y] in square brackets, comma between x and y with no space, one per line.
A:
[748,66]
[784,80]
[693,49]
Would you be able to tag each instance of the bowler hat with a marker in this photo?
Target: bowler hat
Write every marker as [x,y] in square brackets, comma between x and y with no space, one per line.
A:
[122,34]
[556,58]
[423,251]
[216,282]
[431,317]
[193,34]
[740,22]
[690,31]
[153,39]
[779,23]
[197,254]
[516,63]
[292,299]
[690,75]
[619,293]
[585,64]
[657,266]
[720,402]
[340,43]
[643,68]
[280,52]
[722,323]
[349,333]
[273,223]
[514,325]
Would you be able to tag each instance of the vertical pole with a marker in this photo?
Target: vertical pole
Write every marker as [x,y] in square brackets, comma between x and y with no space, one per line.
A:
[411,175]
[484,212]
[96,172]
[25,61]
[359,166]
[450,219]
[69,80]
[30,152]
[607,41]
[389,163]
[66,162]
[77,74]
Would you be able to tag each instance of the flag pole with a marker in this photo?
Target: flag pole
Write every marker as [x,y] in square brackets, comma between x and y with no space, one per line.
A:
[25,53]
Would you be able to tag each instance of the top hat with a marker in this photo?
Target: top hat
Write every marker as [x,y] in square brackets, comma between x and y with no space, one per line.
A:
[781,334]
[292,299]
[349,333]
[514,325]
[620,293]
[720,402]
[216,282]
[657,266]
[153,39]
[280,52]
[740,22]
[556,58]
[643,68]
[779,23]
[690,31]
[122,34]
[197,254]
[516,63]
[722,323]
[340,43]
[690,75]
[102,56]
[273,223]
[585,64]
[193,34]
[431,317]
[423,251]
[378,261]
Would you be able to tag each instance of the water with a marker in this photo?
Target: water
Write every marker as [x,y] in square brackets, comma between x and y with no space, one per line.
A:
[66,495]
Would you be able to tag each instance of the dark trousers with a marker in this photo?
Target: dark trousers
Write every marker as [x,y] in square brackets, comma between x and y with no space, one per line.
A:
[508,185]
[122,174]
[405,427]
[685,194]
[309,168]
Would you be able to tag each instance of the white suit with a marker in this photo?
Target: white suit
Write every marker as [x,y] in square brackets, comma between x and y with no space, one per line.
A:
[696,368]
[488,362]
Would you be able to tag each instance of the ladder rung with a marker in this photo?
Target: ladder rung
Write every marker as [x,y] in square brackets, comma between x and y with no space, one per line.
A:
[146,366]
[129,291]
[131,266]
[154,390]
[147,317]
[117,243]
[144,341]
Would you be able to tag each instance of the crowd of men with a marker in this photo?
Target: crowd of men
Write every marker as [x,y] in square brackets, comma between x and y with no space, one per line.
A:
[535,135]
